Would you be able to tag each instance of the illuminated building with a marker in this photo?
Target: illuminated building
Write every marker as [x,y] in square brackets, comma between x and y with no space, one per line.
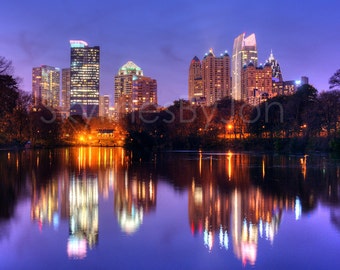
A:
[216,76]
[46,86]
[65,91]
[276,69]
[84,75]
[133,90]
[104,105]
[289,87]
[144,92]
[195,80]
[209,81]
[244,52]
[256,83]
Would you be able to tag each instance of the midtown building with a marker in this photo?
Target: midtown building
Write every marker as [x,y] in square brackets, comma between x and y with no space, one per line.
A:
[244,52]
[256,83]
[84,77]
[195,82]
[104,106]
[209,80]
[46,86]
[133,90]
[216,76]
[276,69]
[65,91]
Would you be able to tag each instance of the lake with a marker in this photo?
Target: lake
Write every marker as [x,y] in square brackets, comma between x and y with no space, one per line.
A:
[106,208]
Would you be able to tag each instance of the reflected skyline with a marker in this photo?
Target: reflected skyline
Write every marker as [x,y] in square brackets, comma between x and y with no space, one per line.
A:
[234,200]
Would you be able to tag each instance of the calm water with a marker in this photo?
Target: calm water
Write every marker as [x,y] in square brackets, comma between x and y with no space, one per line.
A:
[104,208]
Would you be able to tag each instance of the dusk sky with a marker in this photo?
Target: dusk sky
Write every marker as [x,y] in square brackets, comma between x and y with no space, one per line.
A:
[163,36]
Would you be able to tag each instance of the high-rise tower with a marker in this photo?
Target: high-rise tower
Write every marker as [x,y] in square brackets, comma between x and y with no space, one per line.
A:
[216,76]
[65,91]
[84,75]
[244,52]
[46,86]
[277,74]
[133,90]
[195,84]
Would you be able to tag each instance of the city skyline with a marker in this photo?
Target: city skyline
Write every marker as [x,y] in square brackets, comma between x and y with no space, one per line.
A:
[166,37]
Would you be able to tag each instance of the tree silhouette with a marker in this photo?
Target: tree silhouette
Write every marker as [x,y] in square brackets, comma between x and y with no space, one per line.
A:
[334,81]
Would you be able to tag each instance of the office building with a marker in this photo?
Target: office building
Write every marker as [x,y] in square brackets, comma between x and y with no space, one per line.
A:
[104,105]
[216,76]
[244,52]
[65,91]
[276,69]
[133,90]
[256,83]
[209,80]
[46,86]
[84,75]
[195,82]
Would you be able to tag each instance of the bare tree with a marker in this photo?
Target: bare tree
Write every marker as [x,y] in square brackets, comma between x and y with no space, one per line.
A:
[6,67]
[334,81]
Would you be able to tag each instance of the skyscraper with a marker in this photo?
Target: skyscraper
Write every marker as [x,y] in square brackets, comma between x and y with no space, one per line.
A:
[244,52]
[84,75]
[257,83]
[195,84]
[104,105]
[216,76]
[133,90]
[65,91]
[46,86]
[209,80]
[277,74]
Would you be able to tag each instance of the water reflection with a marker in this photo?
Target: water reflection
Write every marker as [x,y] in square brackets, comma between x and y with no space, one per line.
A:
[134,195]
[234,200]
[83,200]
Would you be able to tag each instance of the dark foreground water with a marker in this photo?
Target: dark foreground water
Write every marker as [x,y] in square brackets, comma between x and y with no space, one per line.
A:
[104,208]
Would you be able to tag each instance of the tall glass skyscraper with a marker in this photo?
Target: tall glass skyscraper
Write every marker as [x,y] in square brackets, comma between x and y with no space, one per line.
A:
[46,86]
[84,75]
[244,52]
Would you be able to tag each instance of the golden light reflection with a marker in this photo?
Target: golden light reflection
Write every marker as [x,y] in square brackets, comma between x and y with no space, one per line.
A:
[263,168]
[303,162]
[200,162]
[229,157]
[94,157]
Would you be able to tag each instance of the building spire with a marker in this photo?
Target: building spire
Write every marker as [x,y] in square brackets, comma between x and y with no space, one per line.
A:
[271,57]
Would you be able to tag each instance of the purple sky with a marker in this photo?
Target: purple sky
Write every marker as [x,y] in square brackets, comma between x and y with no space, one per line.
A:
[163,36]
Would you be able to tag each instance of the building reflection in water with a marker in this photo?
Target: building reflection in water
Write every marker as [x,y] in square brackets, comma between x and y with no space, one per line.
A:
[83,198]
[72,193]
[134,195]
[236,214]
[234,200]
[44,204]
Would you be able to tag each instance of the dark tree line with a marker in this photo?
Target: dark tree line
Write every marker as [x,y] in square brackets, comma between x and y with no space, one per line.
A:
[304,116]
[20,122]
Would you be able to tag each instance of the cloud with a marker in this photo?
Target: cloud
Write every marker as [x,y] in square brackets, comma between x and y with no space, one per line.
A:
[169,53]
